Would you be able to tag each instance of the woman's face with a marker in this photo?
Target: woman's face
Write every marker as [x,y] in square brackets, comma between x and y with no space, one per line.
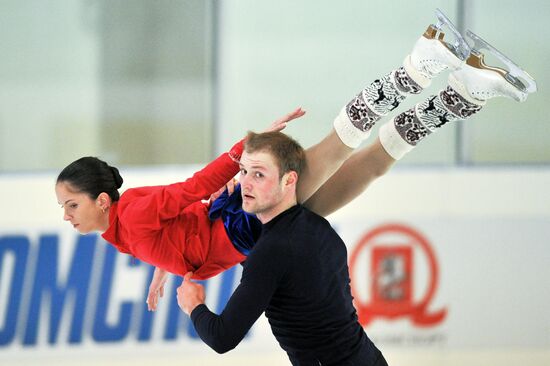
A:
[84,213]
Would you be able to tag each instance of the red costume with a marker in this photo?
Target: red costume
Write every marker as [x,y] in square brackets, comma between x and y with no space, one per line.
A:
[168,226]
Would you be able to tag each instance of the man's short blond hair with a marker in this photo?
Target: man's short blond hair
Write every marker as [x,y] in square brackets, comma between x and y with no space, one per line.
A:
[287,152]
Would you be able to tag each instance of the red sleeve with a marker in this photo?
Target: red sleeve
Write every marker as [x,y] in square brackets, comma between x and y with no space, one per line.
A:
[148,207]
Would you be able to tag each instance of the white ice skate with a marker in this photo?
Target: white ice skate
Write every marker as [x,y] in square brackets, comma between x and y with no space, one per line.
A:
[433,53]
[483,82]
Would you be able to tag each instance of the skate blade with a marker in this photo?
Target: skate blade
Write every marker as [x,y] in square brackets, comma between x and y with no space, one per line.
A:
[514,74]
[459,47]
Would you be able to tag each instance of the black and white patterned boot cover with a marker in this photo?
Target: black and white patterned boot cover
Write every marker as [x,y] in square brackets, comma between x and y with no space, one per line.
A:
[357,118]
[403,132]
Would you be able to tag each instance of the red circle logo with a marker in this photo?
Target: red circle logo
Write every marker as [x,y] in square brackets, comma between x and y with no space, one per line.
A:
[396,252]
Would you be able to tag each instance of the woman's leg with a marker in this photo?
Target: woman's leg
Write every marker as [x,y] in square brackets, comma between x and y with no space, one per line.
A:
[352,179]
[396,138]
[468,91]
[429,57]
[323,159]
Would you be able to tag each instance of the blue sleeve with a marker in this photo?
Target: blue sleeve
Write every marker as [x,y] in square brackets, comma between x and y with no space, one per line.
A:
[243,228]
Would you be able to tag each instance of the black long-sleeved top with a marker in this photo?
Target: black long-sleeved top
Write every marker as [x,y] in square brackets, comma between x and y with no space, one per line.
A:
[297,273]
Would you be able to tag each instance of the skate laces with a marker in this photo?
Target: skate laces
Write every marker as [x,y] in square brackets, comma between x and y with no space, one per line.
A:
[431,67]
[441,47]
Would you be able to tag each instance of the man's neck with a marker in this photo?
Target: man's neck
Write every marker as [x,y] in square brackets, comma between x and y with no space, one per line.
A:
[267,216]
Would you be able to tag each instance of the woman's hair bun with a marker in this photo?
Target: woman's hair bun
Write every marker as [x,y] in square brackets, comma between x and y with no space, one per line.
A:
[116,175]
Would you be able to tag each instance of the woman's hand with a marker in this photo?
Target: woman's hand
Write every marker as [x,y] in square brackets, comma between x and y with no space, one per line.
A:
[156,288]
[281,123]
[230,189]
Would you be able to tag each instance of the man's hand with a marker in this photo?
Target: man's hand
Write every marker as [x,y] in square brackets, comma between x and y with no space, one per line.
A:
[281,123]
[190,294]
[156,288]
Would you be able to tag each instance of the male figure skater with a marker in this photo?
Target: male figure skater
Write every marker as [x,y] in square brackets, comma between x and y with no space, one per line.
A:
[297,272]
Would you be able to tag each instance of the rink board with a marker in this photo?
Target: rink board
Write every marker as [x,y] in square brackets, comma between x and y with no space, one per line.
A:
[447,266]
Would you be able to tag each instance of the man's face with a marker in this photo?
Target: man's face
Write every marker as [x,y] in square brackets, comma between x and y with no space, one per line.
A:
[262,190]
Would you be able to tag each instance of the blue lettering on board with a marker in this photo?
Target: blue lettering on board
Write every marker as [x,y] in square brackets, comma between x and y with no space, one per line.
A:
[38,297]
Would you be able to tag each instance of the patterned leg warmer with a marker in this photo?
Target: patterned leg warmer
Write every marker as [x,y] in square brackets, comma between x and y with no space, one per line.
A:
[357,118]
[402,133]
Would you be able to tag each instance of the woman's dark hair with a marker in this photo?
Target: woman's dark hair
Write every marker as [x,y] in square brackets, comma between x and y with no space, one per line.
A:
[92,176]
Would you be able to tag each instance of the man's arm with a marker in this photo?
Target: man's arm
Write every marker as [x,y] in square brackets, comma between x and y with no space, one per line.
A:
[261,277]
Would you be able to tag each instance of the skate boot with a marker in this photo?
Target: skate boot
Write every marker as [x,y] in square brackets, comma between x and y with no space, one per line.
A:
[433,53]
[482,82]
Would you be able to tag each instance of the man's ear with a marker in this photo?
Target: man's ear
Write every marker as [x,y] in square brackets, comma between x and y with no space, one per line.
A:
[291,178]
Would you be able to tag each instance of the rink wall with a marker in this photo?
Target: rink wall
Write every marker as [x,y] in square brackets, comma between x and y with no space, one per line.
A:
[448,267]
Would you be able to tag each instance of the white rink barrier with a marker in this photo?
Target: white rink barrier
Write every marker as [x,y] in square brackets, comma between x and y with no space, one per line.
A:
[448,267]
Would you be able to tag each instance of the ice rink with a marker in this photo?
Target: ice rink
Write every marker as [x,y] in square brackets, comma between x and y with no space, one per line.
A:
[160,88]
